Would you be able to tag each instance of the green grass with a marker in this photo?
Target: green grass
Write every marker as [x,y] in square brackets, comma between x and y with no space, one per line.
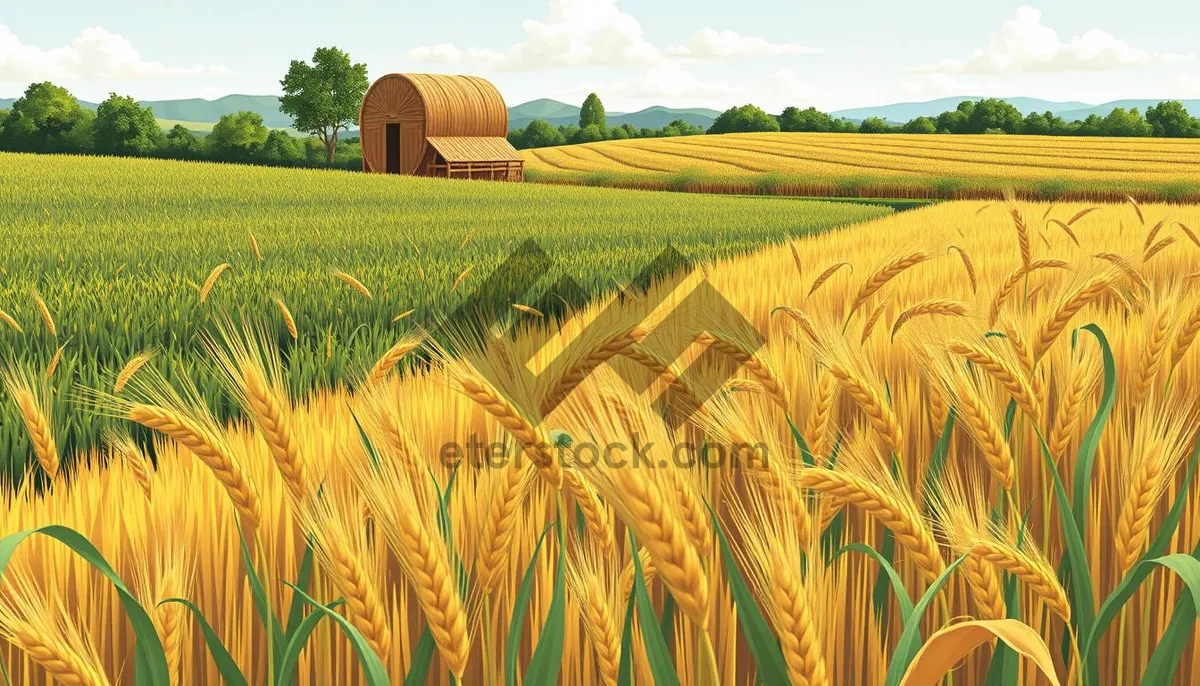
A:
[117,248]
[866,186]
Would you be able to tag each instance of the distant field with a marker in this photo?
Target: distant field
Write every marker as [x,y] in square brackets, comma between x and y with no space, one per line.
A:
[119,247]
[206,127]
[884,165]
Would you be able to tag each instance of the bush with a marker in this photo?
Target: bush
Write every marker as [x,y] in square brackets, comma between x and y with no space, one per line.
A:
[744,119]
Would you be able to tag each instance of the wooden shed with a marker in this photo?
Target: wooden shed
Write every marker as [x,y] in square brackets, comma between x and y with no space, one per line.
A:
[437,125]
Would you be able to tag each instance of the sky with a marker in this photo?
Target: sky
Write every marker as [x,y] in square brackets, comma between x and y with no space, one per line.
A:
[634,53]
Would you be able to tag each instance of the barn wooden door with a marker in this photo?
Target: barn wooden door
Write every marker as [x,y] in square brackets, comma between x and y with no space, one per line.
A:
[393,149]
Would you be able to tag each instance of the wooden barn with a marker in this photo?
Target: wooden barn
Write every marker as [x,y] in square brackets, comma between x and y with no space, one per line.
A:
[437,125]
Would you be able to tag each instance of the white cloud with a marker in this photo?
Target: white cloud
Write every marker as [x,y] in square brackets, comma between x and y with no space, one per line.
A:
[1025,44]
[94,54]
[710,44]
[591,33]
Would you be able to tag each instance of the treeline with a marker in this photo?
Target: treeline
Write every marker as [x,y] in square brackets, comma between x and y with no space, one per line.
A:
[1168,119]
[593,127]
[48,119]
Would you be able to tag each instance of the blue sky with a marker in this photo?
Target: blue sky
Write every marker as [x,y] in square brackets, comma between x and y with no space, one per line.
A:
[634,53]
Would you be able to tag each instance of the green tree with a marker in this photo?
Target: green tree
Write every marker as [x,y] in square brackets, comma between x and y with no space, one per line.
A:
[323,98]
[874,125]
[744,119]
[182,144]
[809,119]
[540,134]
[47,118]
[920,125]
[993,113]
[592,113]
[588,134]
[3,116]
[238,137]
[1035,124]
[1170,119]
[955,121]
[1125,123]
[281,149]
[124,128]
[680,127]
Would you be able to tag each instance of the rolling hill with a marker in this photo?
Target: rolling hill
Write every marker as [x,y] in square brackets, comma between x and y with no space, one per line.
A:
[1070,110]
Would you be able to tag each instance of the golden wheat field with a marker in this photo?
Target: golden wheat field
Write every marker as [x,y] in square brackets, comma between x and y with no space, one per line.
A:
[939,386]
[888,165]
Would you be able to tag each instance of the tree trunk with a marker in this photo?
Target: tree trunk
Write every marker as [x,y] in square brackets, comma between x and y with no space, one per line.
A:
[330,146]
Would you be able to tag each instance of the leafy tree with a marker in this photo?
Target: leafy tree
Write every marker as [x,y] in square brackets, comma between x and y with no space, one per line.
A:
[920,125]
[540,134]
[993,113]
[809,119]
[282,149]
[744,119]
[3,116]
[124,128]
[1170,119]
[592,113]
[516,138]
[617,133]
[648,133]
[874,125]
[1122,122]
[955,121]
[238,137]
[182,144]
[323,98]
[680,127]
[588,134]
[1035,124]
[47,118]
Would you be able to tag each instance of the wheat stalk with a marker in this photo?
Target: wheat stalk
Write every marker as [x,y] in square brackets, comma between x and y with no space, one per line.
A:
[1121,262]
[802,320]
[593,587]
[1002,371]
[1151,359]
[883,275]
[879,414]
[826,275]
[209,450]
[35,416]
[288,320]
[53,366]
[388,361]
[968,266]
[988,434]
[535,441]
[903,520]
[211,281]
[595,515]
[1070,305]
[1157,248]
[1032,570]
[7,319]
[43,310]
[54,655]
[604,351]
[353,283]
[1022,237]
[254,247]
[402,315]
[131,368]
[1066,228]
[937,306]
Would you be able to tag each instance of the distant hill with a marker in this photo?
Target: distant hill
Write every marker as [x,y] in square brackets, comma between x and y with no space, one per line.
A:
[561,114]
[906,111]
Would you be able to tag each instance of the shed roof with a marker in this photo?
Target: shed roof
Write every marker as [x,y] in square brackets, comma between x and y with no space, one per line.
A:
[474,149]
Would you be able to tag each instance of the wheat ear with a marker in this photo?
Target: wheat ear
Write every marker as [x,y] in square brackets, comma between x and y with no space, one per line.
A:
[203,445]
[988,434]
[388,361]
[353,283]
[934,307]
[1032,571]
[211,281]
[799,639]
[501,522]
[1010,284]
[352,581]
[595,515]
[752,364]
[1070,404]
[968,266]
[1075,301]
[984,585]
[573,376]
[1137,508]
[1152,356]
[827,275]
[43,310]
[38,426]
[54,655]
[879,415]
[131,368]
[1185,336]
[288,320]
[883,275]
[820,419]
[271,414]
[534,440]
[1002,371]
[7,319]
[907,524]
